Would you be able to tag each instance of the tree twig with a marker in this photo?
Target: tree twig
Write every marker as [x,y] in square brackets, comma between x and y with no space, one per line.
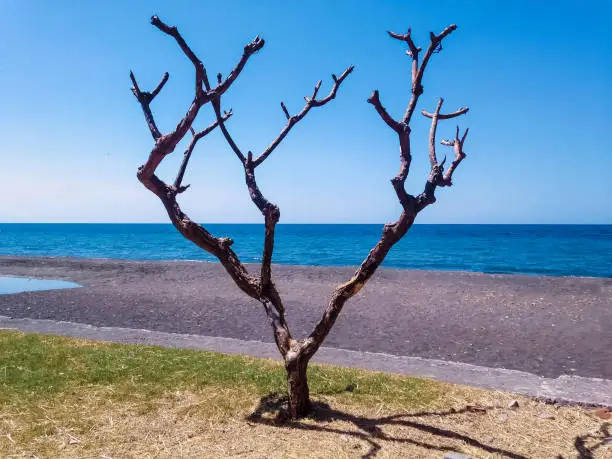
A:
[187,155]
[293,120]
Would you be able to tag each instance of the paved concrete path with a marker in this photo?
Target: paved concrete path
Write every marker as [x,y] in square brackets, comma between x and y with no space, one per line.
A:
[544,326]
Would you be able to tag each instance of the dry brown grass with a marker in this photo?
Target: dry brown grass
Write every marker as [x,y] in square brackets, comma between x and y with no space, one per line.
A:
[222,422]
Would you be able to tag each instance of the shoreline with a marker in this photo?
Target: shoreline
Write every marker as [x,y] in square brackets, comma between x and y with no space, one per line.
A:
[543,325]
[4,257]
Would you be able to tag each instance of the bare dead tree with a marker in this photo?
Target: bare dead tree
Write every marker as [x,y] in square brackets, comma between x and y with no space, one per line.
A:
[296,353]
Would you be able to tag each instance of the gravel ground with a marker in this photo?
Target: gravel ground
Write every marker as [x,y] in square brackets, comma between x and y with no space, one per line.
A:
[543,325]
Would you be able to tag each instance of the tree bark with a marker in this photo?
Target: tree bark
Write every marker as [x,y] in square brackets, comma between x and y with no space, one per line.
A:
[297,381]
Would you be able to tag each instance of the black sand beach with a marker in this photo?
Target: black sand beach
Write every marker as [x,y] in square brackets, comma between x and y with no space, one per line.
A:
[543,325]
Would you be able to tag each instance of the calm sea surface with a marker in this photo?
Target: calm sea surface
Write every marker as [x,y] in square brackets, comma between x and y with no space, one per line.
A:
[556,250]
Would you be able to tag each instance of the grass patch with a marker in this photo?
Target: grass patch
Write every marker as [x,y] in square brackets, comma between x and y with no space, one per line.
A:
[40,366]
[73,398]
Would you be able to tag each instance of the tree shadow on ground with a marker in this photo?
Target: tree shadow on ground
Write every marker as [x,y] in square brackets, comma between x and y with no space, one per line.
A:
[370,429]
[602,438]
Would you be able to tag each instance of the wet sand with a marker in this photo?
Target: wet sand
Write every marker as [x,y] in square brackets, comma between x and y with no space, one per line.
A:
[543,325]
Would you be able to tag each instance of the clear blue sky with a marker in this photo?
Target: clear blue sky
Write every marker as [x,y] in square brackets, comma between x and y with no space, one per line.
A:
[536,74]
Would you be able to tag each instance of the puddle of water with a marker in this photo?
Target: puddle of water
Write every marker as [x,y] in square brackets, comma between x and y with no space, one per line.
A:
[9,285]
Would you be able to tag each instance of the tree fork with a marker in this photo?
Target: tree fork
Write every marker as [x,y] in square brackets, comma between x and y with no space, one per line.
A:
[296,355]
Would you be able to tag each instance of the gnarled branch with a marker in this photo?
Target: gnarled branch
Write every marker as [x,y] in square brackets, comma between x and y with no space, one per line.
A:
[165,144]
[145,99]
[262,288]
[173,32]
[457,145]
[269,210]
[271,213]
[392,232]
[402,127]
[417,77]
[436,175]
[269,295]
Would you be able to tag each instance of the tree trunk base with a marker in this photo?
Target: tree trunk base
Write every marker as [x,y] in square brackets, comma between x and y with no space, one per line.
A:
[299,395]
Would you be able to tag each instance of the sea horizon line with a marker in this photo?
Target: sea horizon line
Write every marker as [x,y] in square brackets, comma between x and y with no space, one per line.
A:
[308,223]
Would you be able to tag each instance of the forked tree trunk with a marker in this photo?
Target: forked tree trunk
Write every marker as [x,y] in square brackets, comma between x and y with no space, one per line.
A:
[262,288]
[299,396]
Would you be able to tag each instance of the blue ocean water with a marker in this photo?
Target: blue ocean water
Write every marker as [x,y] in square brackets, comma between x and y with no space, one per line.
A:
[556,250]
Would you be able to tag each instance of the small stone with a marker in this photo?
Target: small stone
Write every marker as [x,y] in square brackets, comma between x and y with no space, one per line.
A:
[456,456]
[513,404]
[546,416]
[602,413]
[343,437]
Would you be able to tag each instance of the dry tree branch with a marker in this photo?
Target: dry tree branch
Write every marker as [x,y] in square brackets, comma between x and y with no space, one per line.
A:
[447,116]
[187,155]
[285,111]
[403,131]
[166,143]
[432,133]
[145,99]
[271,214]
[457,145]
[269,210]
[413,50]
[392,232]
[434,124]
[374,99]
[173,32]
[228,138]
[262,288]
[269,296]
[436,176]
[417,86]
[402,127]
[293,120]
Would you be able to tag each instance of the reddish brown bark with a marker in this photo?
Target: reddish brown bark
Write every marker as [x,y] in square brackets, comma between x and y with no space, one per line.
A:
[296,354]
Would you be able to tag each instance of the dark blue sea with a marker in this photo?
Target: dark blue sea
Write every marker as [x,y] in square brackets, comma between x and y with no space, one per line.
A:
[555,250]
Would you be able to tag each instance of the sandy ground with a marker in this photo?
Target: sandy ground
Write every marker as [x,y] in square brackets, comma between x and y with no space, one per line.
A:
[543,325]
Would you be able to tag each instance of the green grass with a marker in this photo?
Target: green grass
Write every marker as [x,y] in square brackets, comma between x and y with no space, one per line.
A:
[34,367]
